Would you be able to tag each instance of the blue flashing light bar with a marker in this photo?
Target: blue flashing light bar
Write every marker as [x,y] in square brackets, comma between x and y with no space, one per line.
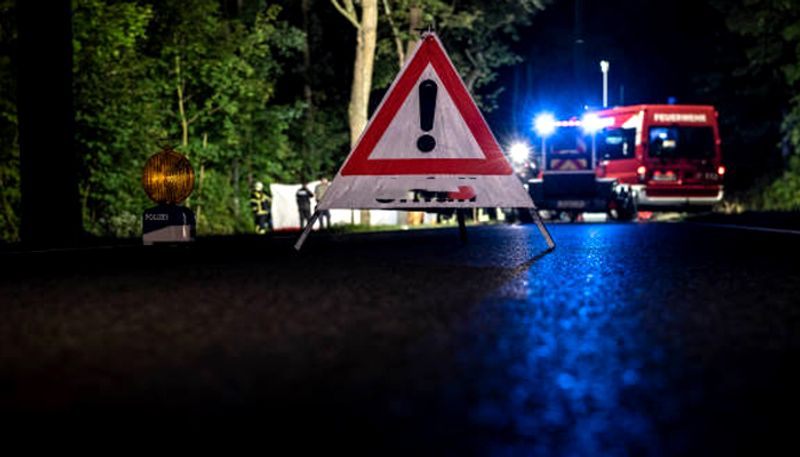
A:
[545,124]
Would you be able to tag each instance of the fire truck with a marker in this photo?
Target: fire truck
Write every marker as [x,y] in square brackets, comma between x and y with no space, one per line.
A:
[566,183]
[626,159]
[667,156]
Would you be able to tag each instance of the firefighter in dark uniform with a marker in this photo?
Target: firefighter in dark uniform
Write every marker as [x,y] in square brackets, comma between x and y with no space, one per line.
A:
[304,205]
[260,205]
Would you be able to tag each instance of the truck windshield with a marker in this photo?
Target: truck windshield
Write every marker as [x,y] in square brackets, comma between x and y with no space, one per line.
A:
[679,142]
[616,144]
[568,140]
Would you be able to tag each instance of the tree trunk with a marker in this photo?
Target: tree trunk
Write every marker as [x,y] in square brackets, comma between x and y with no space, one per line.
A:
[398,41]
[307,93]
[201,177]
[473,75]
[235,185]
[199,207]
[10,215]
[305,6]
[184,119]
[358,109]
[50,201]
[181,109]
[362,69]
[414,22]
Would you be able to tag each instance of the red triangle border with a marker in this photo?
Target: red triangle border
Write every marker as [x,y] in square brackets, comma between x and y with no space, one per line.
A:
[430,51]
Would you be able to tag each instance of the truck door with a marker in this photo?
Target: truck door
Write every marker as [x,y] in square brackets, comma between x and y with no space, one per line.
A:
[616,154]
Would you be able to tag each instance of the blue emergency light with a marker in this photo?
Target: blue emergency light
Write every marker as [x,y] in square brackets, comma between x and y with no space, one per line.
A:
[544,124]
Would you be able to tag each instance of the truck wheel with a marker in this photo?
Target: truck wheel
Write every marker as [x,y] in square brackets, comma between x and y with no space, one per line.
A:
[567,216]
[626,215]
[625,207]
[524,217]
[574,216]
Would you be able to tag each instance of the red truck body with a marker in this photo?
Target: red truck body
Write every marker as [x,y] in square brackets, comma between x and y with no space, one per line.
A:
[667,155]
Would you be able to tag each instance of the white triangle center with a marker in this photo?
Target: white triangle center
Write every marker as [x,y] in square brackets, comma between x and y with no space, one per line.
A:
[453,138]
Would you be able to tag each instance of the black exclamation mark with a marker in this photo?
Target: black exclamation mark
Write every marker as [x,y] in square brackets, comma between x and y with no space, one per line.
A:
[427,108]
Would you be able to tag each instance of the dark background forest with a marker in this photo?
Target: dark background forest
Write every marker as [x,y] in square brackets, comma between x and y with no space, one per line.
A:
[255,90]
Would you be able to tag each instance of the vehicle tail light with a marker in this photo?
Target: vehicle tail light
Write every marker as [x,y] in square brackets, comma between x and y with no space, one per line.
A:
[641,171]
[721,170]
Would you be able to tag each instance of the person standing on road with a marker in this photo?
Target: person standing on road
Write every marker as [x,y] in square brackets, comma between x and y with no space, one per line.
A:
[303,196]
[260,205]
[319,192]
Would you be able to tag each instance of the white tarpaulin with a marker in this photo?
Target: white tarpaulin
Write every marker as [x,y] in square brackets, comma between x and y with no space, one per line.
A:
[285,214]
[383,217]
[284,205]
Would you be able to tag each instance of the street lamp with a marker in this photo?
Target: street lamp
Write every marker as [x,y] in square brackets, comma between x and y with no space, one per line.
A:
[604,68]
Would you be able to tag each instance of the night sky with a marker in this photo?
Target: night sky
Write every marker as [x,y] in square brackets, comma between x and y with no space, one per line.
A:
[656,50]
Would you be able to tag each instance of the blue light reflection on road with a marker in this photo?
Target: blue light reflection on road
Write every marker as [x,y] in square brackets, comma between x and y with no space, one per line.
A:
[571,370]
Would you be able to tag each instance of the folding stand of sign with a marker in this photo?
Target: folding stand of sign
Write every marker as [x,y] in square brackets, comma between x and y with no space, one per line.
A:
[427,147]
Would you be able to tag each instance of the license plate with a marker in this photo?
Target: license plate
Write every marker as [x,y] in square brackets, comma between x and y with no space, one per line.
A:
[571,204]
[665,178]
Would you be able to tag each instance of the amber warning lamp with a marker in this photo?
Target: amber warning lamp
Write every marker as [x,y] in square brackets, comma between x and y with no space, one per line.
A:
[168,179]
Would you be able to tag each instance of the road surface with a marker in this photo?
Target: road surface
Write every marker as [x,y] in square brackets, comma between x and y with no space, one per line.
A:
[628,339]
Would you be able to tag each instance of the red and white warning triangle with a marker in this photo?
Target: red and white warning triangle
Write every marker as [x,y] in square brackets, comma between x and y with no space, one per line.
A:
[427,146]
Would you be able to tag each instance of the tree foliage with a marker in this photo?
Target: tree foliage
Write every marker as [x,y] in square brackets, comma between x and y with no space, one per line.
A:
[179,73]
[770,31]
[9,140]
[248,90]
[477,35]
[117,109]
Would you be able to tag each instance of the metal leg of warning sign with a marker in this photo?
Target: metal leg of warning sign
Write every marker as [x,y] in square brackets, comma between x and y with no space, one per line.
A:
[462,225]
[306,231]
[538,219]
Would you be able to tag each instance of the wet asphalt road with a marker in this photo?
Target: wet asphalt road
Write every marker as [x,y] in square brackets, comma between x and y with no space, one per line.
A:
[628,339]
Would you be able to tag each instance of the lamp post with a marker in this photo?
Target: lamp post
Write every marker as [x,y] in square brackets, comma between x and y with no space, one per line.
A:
[604,68]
